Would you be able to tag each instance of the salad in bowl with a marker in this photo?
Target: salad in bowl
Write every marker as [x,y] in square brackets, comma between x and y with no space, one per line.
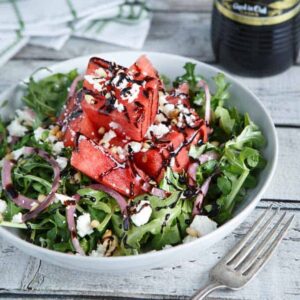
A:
[121,161]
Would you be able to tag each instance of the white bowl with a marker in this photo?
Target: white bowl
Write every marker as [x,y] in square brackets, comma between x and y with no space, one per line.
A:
[172,66]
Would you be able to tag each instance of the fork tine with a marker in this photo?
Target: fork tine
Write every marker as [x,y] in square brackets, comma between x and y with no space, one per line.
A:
[235,262]
[248,262]
[236,249]
[261,261]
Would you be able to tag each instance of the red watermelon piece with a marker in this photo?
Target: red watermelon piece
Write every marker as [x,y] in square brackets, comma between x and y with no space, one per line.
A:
[102,166]
[80,125]
[126,96]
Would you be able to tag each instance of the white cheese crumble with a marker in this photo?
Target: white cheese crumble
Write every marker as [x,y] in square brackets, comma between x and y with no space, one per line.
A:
[132,93]
[100,72]
[143,213]
[95,82]
[189,239]
[38,133]
[108,136]
[135,146]
[201,225]
[158,130]
[25,116]
[118,106]
[62,198]
[15,128]
[58,147]
[120,84]
[17,218]
[121,152]
[18,153]
[99,252]
[62,162]
[3,206]
[84,225]
[113,125]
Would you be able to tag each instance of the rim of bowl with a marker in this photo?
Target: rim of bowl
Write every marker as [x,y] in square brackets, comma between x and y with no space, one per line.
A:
[246,210]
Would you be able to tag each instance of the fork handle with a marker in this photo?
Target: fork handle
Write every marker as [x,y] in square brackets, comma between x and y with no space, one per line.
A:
[202,293]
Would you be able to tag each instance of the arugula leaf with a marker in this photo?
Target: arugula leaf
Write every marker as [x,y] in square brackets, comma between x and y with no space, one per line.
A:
[225,121]
[190,77]
[47,96]
[3,139]
[222,93]
[172,181]
[162,228]
[250,136]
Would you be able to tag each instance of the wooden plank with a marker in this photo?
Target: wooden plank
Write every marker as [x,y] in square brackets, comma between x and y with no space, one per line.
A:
[284,184]
[280,94]
[180,6]
[278,280]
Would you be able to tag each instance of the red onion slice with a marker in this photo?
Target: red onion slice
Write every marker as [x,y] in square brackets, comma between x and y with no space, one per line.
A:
[34,206]
[192,170]
[74,85]
[119,198]
[70,211]
[158,192]
[209,155]
[7,185]
[202,193]
[204,85]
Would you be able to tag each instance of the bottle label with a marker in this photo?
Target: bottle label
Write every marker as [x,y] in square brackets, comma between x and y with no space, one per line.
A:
[258,13]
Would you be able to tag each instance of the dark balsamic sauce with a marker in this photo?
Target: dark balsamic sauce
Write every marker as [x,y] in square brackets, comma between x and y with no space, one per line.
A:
[11,191]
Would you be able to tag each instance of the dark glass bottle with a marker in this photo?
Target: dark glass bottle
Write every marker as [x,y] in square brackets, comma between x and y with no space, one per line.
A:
[256,38]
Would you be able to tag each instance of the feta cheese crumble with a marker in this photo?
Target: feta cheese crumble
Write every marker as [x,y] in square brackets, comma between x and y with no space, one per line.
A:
[39,133]
[118,106]
[62,162]
[95,81]
[135,146]
[58,147]
[62,198]
[108,136]
[3,206]
[157,130]
[18,153]
[17,218]
[201,226]
[113,125]
[133,93]
[143,213]
[25,116]
[15,128]
[99,252]
[84,225]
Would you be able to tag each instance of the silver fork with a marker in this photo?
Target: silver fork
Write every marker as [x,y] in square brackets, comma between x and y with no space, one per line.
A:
[247,258]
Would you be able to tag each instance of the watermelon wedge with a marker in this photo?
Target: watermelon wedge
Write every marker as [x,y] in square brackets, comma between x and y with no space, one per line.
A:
[103,166]
[128,97]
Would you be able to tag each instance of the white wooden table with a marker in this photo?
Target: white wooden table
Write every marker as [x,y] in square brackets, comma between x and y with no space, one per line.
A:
[180,27]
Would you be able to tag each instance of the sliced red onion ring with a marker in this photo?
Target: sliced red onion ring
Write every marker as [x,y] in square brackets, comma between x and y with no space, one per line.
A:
[119,198]
[202,193]
[158,192]
[70,211]
[192,172]
[7,185]
[209,155]
[204,85]
[74,85]
[146,187]
[34,206]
